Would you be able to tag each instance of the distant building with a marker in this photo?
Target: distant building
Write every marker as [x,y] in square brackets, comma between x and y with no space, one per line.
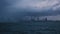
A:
[45,19]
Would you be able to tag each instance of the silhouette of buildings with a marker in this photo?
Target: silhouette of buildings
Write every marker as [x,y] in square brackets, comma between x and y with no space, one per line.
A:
[35,18]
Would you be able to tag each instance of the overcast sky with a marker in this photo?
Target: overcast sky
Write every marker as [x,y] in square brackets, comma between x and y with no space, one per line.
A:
[34,4]
[11,6]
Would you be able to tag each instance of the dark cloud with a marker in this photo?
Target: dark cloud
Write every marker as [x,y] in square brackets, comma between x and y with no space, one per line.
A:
[20,8]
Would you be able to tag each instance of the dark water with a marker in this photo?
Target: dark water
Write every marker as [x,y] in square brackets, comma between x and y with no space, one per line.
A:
[30,28]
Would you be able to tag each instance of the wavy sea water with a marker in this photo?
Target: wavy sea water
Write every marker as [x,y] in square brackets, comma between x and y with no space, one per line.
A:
[31,27]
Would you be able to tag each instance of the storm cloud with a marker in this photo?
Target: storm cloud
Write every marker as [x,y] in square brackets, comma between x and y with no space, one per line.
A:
[37,5]
[17,8]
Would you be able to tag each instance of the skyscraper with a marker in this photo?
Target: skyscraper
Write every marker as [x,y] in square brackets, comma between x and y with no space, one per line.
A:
[46,19]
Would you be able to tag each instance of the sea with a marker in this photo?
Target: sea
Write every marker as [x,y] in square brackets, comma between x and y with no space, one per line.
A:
[30,27]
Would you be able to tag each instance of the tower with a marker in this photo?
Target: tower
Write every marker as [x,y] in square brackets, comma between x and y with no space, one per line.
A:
[46,19]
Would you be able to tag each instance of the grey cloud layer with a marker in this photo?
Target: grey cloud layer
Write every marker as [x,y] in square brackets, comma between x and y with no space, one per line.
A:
[38,4]
[17,8]
[32,5]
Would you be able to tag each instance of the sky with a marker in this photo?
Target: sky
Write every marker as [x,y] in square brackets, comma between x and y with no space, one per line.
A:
[34,4]
[45,7]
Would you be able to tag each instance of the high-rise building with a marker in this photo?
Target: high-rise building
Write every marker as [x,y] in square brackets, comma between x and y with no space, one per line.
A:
[46,19]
